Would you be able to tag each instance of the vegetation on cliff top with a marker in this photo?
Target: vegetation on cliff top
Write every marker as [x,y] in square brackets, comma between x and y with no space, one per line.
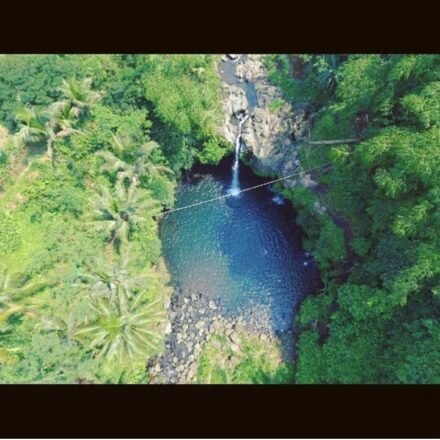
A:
[376,321]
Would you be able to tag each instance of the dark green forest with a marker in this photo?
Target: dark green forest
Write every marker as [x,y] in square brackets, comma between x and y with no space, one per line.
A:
[92,148]
[377,318]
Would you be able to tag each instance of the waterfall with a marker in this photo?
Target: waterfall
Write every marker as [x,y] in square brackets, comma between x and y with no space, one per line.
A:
[235,185]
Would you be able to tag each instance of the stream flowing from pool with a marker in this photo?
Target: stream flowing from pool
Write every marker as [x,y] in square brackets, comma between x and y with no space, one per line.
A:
[245,251]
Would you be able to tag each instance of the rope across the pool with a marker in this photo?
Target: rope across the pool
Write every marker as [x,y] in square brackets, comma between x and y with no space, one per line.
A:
[192,205]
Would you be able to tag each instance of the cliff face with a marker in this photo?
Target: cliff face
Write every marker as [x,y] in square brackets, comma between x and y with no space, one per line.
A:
[274,130]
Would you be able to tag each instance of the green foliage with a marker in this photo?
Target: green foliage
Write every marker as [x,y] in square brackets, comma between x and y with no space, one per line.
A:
[314,309]
[330,247]
[310,365]
[256,362]
[35,79]
[423,109]
[121,328]
[182,89]
[311,78]
[10,239]
[3,158]
[50,359]
[119,212]
[213,151]
[53,193]
[367,70]
[99,317]
[387,188]
[275,105]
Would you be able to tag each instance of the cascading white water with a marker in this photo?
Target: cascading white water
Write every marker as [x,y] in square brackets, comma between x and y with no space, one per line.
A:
[235,185]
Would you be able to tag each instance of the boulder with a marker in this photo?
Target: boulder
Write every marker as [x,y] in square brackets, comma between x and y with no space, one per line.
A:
[235,339]
[235,348]
[200,325]
[168,328]
[166,303]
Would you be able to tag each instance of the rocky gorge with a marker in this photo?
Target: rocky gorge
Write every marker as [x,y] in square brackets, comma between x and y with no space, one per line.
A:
[274,130]
[271,136]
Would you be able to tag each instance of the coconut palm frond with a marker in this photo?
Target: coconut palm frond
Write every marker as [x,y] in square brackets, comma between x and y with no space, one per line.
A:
[123,328]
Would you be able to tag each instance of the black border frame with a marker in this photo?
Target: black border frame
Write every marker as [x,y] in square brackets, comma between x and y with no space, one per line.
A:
[219,411]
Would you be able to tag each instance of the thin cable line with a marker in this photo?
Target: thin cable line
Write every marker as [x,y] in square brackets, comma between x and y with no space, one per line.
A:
[224,196]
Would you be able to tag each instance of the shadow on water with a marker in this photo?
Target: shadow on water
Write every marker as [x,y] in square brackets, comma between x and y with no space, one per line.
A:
[247,250]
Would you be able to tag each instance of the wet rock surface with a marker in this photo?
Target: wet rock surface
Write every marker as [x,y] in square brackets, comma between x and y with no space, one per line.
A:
[275,128]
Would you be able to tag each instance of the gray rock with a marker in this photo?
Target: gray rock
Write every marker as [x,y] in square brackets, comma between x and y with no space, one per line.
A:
[168,328]
[235,338]
[166,303]
[212,305]
[217,325]
[200,325]
[235,348]
[270,135]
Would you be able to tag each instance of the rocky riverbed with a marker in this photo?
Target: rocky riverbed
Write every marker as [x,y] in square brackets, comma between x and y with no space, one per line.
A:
[272,135]
[194,318]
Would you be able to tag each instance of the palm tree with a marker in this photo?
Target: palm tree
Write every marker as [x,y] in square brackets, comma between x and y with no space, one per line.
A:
[122,327]
[79,94]
[32,125]
[15,297]
[58,119]
[120,211]
[110,279]
[47,125]
[142,165]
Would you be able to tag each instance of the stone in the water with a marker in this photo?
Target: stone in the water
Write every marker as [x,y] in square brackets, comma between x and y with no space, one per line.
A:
[212,305]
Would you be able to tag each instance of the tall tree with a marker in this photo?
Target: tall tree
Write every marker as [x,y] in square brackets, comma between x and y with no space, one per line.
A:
[79,94]
[132,172]
[124,328]
[119,211]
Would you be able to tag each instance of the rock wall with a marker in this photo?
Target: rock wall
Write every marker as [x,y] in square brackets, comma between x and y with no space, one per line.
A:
[274,130]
